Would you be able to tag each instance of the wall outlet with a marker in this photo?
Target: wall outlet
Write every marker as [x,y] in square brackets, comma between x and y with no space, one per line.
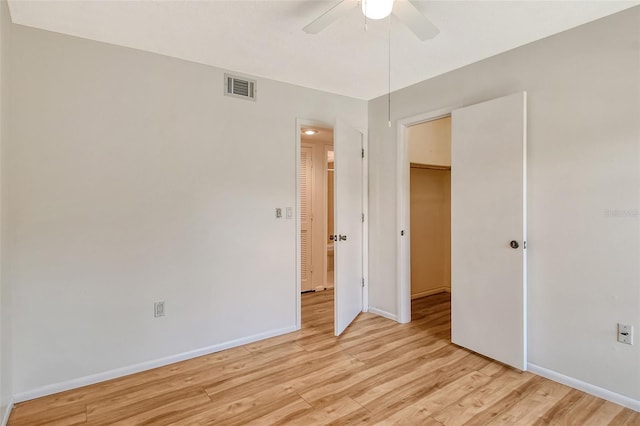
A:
[278,212]
[625,334]
[158,309]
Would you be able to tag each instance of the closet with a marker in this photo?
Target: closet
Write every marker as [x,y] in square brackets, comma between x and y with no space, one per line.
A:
[430,204]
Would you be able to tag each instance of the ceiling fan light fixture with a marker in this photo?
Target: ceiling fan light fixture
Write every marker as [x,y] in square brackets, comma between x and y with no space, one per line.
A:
[377,9]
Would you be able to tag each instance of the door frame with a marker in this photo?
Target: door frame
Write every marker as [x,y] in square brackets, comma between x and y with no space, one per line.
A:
[325,225]
[403,242]
[300,123]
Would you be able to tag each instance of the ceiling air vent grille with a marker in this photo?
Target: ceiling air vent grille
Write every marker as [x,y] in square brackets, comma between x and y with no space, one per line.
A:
[239,87]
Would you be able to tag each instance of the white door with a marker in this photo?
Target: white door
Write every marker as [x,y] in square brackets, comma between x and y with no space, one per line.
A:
[488,229]
[348,184]
[305,217]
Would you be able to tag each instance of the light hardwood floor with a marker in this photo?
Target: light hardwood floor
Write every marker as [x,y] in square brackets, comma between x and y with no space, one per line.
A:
[378,372]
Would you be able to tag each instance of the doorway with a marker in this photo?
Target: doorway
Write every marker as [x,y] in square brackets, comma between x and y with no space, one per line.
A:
[430,206]
[350,224]
[316,223]
[488,226]
[316,208]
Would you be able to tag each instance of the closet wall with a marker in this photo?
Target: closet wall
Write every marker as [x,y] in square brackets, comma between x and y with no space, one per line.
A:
[430,181]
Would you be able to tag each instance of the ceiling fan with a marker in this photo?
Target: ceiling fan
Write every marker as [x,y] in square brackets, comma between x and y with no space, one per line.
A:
[404,10]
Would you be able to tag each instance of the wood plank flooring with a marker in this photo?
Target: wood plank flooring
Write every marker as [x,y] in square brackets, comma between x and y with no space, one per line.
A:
[377,372]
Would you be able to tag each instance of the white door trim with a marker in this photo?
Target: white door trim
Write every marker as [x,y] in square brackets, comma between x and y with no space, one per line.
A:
[365,222]
[403,242]
[325,225]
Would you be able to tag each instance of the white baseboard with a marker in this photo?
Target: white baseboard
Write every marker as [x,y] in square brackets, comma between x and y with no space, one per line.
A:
[7,413]
[431,292]
[383,313]
[625,401]
[147,365]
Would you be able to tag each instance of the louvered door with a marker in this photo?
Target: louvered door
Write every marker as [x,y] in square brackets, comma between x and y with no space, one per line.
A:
[306,181]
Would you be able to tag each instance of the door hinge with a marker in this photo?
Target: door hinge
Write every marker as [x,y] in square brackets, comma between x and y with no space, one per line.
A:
[362,282]
[362,152]
[362,217]
[524,245]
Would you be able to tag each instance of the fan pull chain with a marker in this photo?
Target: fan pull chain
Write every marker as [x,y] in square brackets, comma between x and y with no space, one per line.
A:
[389,75]
[365,15]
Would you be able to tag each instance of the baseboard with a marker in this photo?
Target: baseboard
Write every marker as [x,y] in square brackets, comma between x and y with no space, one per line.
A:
[625,401]
[148,365]
[431,292]
[383,313]
[7,413]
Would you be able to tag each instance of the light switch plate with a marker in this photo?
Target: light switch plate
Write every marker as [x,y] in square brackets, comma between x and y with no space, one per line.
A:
[625,334]
[158,309]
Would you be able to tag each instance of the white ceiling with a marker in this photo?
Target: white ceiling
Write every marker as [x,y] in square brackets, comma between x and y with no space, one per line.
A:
[265,38]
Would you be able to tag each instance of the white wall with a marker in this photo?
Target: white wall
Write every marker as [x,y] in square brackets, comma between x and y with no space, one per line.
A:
[132,179]
[584,161]
[5,320]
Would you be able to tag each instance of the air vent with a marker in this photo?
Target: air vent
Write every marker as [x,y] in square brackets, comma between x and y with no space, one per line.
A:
[239,87]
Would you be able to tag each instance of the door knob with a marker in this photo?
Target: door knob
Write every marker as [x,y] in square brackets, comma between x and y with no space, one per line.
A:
[342,237]
[514,244]
[333,237]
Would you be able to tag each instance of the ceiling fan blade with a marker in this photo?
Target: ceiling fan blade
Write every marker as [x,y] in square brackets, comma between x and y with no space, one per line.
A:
[330,16]
[415,20]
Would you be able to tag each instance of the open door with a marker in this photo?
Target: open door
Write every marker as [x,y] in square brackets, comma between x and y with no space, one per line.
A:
[348,225]
[488,229]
